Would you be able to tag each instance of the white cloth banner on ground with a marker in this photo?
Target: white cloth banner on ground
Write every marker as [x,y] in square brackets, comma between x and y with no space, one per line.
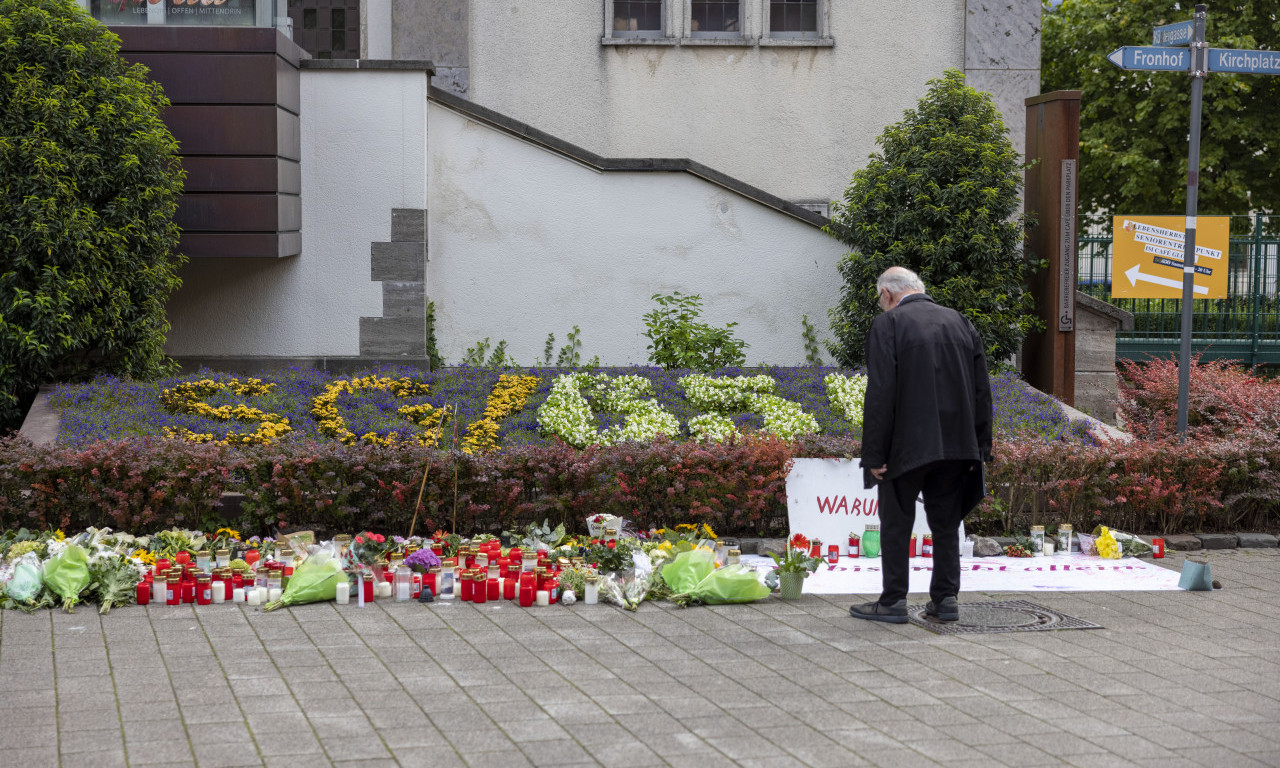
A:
[827,500]
[1056,573]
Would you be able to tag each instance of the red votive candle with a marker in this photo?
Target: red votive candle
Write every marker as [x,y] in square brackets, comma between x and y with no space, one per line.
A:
[143,592]
[1157,548]
[173,591]
[468,586]
[252,556]
[366,584]
[182,558]
[162,565]
[479,593]
[415,588]
[492,588]
[526,595]
[508,589]
[204,591]
[833,553]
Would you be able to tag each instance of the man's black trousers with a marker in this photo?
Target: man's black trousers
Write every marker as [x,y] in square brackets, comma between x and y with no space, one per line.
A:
[944,484]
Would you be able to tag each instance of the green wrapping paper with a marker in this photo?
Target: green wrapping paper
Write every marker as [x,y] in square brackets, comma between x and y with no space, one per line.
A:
[694,578]
[26,581]
[67,575]
[315,580]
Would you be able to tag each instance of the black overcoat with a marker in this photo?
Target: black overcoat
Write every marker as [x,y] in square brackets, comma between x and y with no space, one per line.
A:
[928,395]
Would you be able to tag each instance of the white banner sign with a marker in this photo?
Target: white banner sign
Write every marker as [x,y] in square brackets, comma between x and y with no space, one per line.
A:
[1055,573]
[827,500]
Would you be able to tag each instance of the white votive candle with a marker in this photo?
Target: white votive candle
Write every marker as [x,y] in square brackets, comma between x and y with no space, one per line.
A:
[255,597]
[274,593]
[343,593]
[218,595]
[543,597]
[237,595]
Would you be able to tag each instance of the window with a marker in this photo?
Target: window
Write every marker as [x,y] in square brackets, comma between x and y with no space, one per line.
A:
[637,18]
[715,18]
[794,18]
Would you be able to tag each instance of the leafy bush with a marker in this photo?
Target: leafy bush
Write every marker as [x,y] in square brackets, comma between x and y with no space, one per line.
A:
[940,199]
[91,184]
[132,484]
[679,341]
[1224,400]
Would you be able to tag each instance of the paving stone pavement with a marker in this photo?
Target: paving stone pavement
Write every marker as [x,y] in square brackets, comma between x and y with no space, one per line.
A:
[1175,679]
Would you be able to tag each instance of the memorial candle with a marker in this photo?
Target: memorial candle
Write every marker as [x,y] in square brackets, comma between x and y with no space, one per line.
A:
[493,586]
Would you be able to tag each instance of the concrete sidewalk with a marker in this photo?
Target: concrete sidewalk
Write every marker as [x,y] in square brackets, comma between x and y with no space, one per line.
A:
[1174,679]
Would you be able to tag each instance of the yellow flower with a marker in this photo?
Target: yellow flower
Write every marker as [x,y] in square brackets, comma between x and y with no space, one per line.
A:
[59,535]
[710,534]
[228,532]
[144,556]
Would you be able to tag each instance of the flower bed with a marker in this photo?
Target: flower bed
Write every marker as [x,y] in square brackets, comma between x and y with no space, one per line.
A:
[478,409]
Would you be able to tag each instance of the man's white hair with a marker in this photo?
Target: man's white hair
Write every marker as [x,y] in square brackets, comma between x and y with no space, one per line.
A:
[899,280]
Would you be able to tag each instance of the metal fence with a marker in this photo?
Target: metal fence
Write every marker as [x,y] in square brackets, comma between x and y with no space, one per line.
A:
[1245,326]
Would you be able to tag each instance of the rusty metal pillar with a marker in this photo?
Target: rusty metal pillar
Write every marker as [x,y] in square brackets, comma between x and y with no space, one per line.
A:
[1053,149]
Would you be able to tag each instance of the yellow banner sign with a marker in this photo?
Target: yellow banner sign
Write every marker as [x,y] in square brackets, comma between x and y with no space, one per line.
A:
[1147,251]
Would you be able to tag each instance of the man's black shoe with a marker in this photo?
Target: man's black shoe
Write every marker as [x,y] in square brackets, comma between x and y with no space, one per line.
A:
[877,611]
[945,610]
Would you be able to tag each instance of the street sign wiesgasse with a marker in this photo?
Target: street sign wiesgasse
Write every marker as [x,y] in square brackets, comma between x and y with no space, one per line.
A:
[1147,251]
[1150,58]
[1244,62]
[1174,34]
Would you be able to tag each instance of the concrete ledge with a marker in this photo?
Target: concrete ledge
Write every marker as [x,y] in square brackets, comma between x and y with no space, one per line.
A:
[1256,541]
[1183,542]
[1217,540]
[255,366]
[41,424]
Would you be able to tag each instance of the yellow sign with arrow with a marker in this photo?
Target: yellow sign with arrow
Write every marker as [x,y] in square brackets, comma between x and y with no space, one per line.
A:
[1147,257]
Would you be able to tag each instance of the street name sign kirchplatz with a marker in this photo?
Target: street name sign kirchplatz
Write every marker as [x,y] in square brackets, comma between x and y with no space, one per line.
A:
[1146,257]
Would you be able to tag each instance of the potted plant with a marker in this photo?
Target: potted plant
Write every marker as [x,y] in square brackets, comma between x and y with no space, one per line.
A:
[794,566]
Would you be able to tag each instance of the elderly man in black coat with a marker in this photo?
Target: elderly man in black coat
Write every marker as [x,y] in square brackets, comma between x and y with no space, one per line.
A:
[926,427]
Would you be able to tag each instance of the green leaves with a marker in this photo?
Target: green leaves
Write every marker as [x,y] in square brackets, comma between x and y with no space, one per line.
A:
[679,341]
[90,184]
[941,199]
[1134,125]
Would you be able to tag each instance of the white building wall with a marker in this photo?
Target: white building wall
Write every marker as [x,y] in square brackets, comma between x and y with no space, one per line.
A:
[523,242]
[363,154]
[795,121]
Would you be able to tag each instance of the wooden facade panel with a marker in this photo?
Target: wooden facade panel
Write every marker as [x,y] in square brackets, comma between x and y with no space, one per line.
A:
[239,213]
[163,38]
[225,79]
[224,129]
[240,245]
[242,174]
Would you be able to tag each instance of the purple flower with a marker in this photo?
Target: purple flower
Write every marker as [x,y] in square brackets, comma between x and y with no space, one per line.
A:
[421,560]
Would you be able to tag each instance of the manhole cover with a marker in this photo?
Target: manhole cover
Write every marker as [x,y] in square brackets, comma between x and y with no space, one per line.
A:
[1006,616]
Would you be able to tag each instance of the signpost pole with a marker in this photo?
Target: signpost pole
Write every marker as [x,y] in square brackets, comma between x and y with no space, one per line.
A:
[1199,67]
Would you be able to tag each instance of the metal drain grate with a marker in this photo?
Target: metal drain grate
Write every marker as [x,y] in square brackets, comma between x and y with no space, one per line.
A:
[1006,616]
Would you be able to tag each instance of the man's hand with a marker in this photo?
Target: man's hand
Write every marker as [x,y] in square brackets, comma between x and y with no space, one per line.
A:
[879,473]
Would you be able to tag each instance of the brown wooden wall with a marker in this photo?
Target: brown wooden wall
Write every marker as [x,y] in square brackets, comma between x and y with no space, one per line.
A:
[235,112]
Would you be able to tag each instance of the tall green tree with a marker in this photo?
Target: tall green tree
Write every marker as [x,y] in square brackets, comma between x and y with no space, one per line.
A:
[89,183]
[940,198]
[1134,125]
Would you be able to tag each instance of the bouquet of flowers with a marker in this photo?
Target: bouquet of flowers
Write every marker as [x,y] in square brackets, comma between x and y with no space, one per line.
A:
[796,558]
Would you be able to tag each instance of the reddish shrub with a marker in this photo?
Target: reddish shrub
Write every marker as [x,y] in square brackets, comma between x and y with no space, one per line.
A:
[1225,400]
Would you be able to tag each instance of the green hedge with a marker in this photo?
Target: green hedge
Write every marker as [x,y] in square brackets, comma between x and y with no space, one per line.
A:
[738,488]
